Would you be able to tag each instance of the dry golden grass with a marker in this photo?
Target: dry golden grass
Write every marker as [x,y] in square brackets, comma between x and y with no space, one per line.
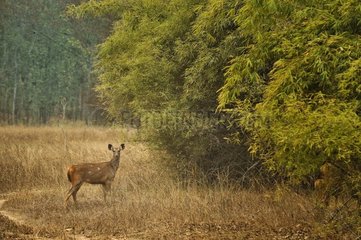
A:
[147,201]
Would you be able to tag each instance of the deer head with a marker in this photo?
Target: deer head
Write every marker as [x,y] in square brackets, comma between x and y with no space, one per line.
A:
[116,151]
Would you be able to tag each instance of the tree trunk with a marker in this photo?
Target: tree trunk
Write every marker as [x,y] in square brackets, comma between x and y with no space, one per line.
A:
[13,117]
[81,103]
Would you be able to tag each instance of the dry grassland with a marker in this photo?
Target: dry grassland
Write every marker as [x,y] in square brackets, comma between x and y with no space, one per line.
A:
[148,200]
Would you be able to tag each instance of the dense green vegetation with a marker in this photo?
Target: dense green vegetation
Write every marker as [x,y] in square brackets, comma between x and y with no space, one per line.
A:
[45,63]
[286,72]
[160,64]
[296,88]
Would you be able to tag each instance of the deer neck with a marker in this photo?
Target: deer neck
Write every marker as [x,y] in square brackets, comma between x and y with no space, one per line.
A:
[115,163]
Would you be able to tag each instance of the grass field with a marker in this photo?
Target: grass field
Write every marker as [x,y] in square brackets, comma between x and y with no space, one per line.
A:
[148,200]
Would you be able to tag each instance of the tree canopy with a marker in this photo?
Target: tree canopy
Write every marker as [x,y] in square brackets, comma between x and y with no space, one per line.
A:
[296,88]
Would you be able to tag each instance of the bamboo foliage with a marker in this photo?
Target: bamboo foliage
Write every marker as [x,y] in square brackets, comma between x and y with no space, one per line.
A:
[287,71]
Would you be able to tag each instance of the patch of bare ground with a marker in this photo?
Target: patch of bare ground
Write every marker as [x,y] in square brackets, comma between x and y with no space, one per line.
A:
[10,227]
[14,225]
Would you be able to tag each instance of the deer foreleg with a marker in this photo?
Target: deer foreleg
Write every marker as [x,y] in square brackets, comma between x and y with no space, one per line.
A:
[106,189]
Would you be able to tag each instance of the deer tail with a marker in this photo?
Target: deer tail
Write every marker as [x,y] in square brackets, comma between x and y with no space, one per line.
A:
[69,173]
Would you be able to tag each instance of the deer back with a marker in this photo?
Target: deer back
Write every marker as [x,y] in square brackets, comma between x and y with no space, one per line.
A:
[93,173]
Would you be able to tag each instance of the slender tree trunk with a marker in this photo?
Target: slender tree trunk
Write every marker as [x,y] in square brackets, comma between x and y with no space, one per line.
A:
[63,103]
[4,107]
[7,104]
[81,103]
[4,55]
[13,117]
[64,111]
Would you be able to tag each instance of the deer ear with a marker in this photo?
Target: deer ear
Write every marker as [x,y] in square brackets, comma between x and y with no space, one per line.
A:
[110,146]
[122,145]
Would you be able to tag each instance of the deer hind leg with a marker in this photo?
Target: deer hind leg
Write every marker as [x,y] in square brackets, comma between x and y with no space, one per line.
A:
[72,192]
[75,191]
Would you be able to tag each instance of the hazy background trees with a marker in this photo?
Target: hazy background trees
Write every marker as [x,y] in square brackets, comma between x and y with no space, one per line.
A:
[46,63]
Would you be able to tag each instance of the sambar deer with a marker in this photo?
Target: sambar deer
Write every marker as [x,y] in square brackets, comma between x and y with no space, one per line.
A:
[94,173]
[328,183]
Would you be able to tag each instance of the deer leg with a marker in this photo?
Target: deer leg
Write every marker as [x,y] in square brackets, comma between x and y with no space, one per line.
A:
[75,191]
[72,192]
[68,195]
[104,193]
[106,188]
[110,190]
